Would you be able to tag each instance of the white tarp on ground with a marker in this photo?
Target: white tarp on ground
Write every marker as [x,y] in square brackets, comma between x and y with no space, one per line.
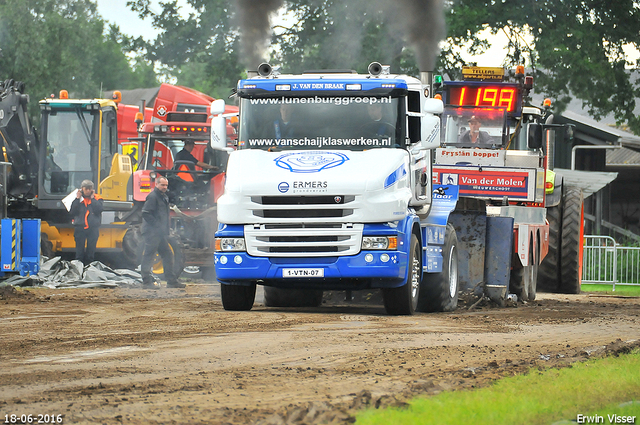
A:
[58,273]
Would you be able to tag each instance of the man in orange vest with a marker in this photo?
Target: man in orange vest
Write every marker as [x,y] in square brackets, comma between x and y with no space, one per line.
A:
[86,211]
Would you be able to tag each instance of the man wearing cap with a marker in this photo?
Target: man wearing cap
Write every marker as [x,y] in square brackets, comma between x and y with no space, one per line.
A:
[474,134]
[86,211]
[186,155]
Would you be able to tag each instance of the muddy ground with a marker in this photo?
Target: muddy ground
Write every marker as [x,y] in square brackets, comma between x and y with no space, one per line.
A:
[134,356]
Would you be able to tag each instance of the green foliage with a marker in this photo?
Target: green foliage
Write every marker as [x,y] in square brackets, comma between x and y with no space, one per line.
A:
[60,44]
[201,50]
[577,47]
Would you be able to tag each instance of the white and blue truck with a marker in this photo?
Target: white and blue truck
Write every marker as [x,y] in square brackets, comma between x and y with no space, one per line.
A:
[330,188]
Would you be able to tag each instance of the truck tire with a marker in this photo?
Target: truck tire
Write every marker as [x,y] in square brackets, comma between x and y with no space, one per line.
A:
[439,291]
[285,297]
[523,279]
[46,246]
[403,300]
[549,272]
[237,297]
[571,247]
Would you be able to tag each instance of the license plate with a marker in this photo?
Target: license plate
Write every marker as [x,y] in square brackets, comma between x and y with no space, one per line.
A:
[302,272]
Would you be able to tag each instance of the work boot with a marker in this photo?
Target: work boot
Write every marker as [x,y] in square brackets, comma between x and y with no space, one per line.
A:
[150,285]
[175,284]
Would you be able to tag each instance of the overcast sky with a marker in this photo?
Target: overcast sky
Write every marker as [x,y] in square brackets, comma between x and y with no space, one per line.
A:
[117,12]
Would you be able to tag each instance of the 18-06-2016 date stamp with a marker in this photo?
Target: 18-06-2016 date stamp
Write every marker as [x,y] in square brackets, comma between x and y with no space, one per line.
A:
[33,419]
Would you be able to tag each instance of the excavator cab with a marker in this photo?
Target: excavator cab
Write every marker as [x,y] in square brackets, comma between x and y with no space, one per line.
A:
[80,139]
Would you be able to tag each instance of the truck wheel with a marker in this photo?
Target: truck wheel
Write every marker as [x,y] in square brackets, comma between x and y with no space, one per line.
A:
[439,291]
[572,241]
[284,297]
[532,275]
[404,299]
[549,272]
[238,297]
[46,246]
[523,279]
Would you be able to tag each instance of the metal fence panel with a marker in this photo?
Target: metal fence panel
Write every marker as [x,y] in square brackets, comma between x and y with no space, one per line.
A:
[605,262]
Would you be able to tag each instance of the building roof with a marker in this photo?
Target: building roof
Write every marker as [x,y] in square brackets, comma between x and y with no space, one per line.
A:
[589,181]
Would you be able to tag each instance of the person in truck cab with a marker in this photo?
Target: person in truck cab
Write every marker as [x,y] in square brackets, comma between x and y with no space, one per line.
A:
[474,134]
[86,211]
[185,155]
[378,127]
[283,127]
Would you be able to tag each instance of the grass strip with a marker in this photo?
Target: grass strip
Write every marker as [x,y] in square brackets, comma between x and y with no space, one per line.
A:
[623,290]
[538,397]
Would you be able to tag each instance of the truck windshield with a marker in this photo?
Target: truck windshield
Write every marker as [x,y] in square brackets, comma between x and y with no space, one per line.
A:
[68,137]
[309,123]
[473,127]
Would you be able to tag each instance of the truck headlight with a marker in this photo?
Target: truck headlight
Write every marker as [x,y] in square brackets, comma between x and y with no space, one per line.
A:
[379,242]
[230,244]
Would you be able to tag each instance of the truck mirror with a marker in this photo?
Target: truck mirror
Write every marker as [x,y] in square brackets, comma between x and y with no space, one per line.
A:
[534,137]
[433,106]
[217,107]
[219,133]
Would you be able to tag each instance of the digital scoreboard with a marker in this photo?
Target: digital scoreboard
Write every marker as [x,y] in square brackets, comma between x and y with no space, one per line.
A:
[482,94]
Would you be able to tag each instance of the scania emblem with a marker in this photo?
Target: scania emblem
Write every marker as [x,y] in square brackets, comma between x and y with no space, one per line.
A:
[338,199]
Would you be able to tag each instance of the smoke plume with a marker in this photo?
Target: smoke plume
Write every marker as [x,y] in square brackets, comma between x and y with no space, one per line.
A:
[253,17]
[422,22]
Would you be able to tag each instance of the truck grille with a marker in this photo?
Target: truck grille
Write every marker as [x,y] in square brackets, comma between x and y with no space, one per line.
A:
[302,207]
[303,240]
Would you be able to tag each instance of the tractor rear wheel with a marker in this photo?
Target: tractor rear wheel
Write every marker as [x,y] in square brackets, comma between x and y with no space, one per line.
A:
[571,247]
[549,272]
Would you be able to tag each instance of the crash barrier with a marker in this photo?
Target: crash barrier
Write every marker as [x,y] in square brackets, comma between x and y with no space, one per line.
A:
[20,246]
[606,262]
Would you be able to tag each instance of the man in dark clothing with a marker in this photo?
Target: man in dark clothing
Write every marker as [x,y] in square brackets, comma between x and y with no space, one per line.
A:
[474,134]
[186,155]
[155,233]
[86,211]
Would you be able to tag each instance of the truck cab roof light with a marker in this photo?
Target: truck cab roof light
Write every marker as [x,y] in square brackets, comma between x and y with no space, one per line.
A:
[64,94]
[528,82]
[520,70]
[547,103]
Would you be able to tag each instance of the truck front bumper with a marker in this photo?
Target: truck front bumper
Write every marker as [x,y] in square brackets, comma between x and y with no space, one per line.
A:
[368,269]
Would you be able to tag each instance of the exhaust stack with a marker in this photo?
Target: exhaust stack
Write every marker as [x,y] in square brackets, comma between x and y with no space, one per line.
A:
[426,78]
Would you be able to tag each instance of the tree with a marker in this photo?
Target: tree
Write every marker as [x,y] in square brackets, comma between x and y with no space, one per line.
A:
[201,50]
[60,44]
[576,48]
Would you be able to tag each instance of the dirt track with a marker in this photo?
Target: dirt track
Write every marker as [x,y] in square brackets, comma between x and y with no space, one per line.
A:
[175,356]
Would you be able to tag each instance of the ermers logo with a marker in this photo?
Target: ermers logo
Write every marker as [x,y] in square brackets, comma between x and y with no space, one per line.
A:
[310,185]
[310,162]
[283,187]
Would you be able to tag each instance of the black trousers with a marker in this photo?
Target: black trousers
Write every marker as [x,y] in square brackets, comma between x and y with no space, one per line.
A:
[88,237]
[153,243]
